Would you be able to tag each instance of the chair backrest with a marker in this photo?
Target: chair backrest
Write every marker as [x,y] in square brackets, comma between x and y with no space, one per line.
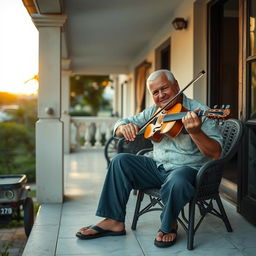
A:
[232,130]
[210,174]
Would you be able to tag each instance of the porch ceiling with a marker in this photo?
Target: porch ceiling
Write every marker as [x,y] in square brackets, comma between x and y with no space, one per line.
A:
[107,36]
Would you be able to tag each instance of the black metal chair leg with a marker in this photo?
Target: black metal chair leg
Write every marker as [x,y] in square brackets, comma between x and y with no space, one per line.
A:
[137,210]
[190,241]
[223,214]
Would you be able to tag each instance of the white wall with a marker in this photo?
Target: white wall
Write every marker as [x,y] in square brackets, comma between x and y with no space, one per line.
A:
[184,64]
[181,49]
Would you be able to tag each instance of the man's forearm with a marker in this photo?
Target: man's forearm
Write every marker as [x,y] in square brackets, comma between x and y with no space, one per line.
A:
[206,145]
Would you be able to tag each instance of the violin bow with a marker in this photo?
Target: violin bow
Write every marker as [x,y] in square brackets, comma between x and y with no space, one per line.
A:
[173,98]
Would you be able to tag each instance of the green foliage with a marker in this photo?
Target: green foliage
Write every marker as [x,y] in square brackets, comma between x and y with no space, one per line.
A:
[5,248]
[26,113]
[80,113]
[12,224]
[88,91]
[15,148]
[17,140]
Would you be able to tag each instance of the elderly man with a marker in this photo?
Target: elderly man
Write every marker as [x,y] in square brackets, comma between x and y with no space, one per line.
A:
[173,167]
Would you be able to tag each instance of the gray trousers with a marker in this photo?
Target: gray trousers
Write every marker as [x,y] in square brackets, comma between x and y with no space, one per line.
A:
[128,171]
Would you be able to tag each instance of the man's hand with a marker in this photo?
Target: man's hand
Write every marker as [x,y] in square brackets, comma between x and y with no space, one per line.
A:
[192,123]
[128,131]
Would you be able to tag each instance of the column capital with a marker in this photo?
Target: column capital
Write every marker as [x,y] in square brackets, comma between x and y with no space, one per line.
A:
[48,20]
[65,63]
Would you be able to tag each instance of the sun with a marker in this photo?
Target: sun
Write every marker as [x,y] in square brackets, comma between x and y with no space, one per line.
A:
[18,49]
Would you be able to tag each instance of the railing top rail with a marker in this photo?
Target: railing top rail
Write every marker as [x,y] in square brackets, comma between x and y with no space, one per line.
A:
[93,117]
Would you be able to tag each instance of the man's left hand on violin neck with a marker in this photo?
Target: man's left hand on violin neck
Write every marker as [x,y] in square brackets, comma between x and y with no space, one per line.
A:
[192,123]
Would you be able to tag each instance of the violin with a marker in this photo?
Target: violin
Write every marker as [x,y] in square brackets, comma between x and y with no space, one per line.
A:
[169,121]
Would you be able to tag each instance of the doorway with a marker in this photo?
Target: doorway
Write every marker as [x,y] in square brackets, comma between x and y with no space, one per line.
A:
[223,64]
[163,55]
[247,193]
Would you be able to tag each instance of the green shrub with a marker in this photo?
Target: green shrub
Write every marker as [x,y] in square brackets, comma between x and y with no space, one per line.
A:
[5,249]
[80,113]
[17,150]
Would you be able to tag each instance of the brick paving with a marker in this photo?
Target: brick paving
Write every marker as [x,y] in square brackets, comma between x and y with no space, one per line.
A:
[15,237]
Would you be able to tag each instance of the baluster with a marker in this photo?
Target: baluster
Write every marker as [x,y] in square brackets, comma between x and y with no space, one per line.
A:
[78,135]
[88,129]
[97,136]
[87,136]
[73,136]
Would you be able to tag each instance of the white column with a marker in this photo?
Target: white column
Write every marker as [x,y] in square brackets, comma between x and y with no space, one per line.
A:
[116,99]
[65,104]
[49,128]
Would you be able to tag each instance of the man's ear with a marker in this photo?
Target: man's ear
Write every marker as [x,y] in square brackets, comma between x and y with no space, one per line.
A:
[177,87]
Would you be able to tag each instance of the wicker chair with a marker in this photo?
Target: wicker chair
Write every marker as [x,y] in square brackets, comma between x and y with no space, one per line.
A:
[117,145]
[135,146]
[207,186]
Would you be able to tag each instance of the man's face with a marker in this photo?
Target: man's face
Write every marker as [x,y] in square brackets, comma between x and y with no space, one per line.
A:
[163,90]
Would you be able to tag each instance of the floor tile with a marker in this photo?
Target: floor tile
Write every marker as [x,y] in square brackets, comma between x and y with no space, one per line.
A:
[105,246]
[196,252]
[249,251]
[42,241]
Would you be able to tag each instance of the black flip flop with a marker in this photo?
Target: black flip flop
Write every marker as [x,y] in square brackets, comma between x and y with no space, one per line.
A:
[163,244]
[101,232]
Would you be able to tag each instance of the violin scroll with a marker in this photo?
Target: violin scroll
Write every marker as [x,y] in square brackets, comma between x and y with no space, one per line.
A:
[215,113]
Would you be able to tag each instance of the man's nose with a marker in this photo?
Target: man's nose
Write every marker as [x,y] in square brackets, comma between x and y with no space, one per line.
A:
[161,93]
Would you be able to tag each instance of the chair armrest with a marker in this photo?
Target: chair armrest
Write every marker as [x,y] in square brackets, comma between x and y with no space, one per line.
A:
[208,168]
[133,146]
[144,151]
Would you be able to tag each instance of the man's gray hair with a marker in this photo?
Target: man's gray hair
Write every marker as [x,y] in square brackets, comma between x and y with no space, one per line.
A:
[156,73]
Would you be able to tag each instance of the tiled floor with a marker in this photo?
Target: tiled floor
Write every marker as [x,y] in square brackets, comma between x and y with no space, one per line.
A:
[84,175]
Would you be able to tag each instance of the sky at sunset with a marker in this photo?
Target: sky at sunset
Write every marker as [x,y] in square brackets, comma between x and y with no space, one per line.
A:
[18,48]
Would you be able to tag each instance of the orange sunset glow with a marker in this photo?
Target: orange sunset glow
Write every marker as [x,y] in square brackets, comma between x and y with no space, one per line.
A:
[18,49]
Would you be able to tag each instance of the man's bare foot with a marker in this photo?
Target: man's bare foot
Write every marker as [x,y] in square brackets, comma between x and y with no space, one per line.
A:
[107,224]
[161,237]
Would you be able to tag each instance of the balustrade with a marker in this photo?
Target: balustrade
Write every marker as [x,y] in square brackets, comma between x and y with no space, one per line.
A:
[90,132]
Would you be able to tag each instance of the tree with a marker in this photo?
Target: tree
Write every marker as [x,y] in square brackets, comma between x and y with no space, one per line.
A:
[26,113]
[13,139]
[17,139]
[88,91]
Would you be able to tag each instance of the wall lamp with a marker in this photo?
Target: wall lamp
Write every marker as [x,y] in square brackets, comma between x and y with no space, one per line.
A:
[179,23]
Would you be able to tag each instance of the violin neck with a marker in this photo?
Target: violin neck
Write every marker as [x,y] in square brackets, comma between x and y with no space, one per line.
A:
[178,116]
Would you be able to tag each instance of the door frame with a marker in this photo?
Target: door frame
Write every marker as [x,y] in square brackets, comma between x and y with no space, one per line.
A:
[247,206]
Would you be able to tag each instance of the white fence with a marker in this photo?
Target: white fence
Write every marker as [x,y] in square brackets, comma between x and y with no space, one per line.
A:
[91,132]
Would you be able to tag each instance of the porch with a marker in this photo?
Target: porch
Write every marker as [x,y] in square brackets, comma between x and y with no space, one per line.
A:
[56,224]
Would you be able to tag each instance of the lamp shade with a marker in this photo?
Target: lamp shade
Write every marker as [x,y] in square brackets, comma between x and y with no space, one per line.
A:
[179,23]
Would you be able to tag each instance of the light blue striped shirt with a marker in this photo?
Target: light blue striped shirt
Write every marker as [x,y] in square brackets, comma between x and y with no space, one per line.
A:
[181,150]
